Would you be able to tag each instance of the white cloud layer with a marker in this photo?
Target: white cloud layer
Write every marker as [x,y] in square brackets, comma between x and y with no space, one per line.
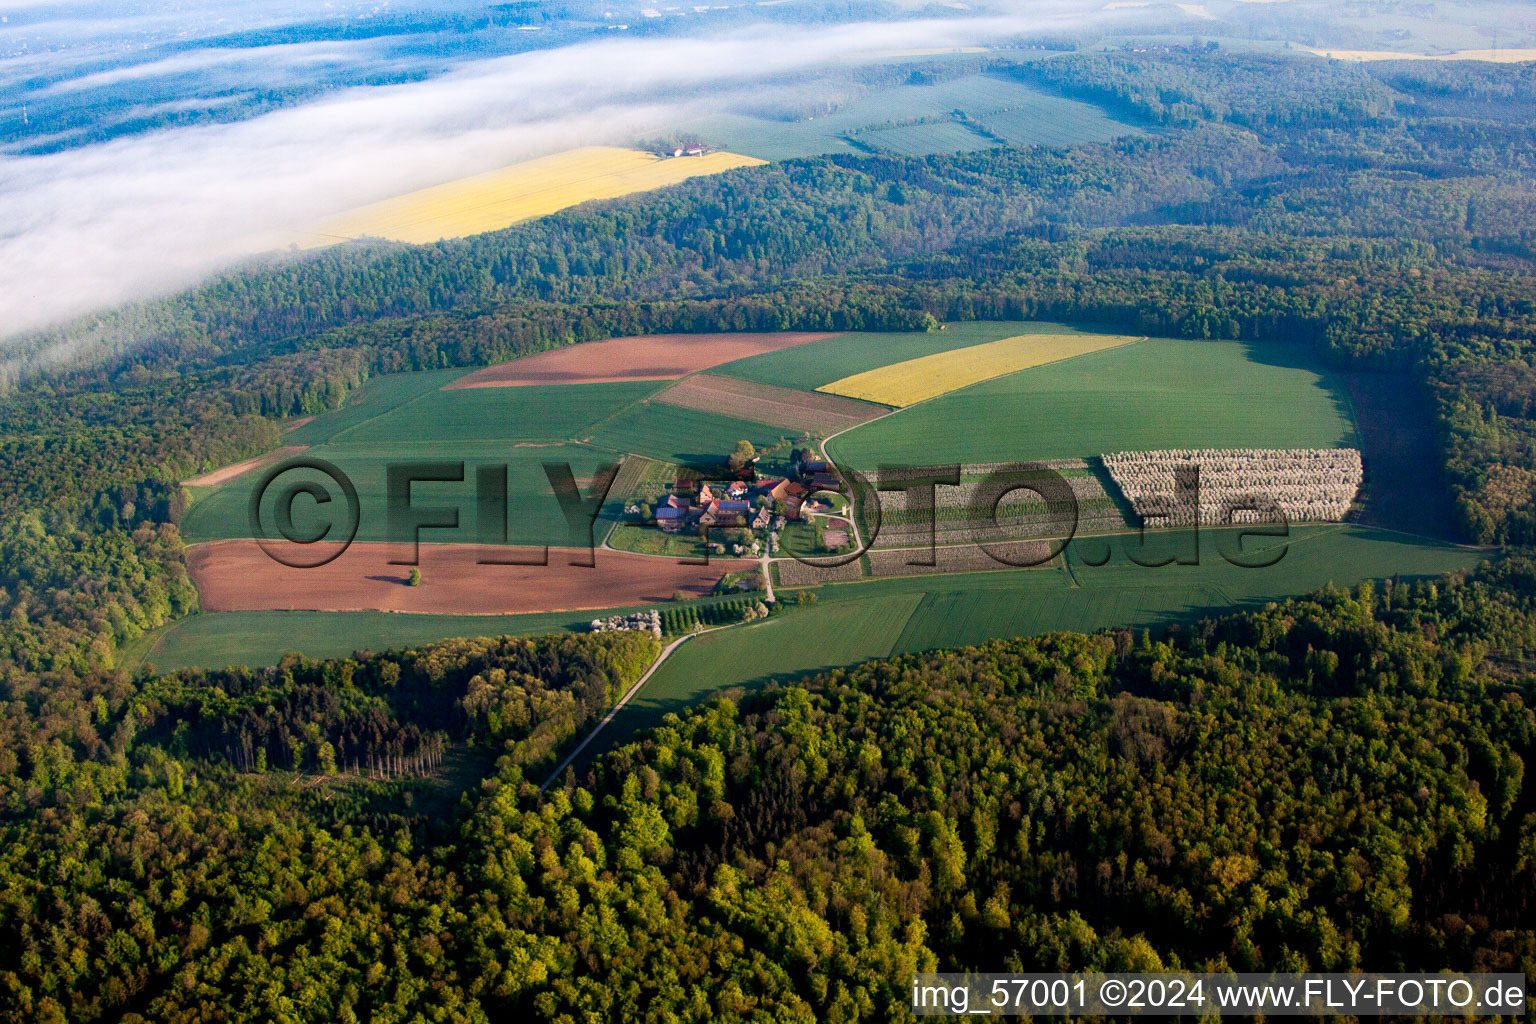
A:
[126,219]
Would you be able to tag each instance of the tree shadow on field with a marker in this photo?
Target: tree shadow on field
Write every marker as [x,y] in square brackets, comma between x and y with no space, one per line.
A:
[402,580]
[1301,356]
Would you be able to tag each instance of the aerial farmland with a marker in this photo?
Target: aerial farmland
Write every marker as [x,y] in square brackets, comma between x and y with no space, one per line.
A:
[980,394]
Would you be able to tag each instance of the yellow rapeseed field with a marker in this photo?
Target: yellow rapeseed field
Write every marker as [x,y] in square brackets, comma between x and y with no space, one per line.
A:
[522,191]
[918,380]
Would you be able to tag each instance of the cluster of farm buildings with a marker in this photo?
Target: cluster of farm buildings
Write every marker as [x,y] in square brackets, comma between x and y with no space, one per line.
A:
[748,502]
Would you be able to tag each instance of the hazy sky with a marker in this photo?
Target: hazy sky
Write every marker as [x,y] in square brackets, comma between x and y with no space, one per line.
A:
[102,223]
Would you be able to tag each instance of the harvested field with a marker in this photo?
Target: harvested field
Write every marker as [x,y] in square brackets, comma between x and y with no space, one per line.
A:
[962,558]
[648,357]
[521,191]
[237,575]
[918,380]
[228,473]
[807,411]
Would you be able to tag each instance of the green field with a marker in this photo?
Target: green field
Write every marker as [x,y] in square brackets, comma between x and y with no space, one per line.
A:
[647,540]
[534,514]
[1121,592]
[519,415]
[409,417]
[213,640]
[808,367]
[1051,120]
[1160,393]
[1042,120]
[674,434]
[829,635]
[217,639]
[926,139]
[856,621]
[375,398]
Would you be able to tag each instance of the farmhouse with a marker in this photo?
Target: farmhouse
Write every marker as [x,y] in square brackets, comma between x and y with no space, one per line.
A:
[672,519]
[791,494]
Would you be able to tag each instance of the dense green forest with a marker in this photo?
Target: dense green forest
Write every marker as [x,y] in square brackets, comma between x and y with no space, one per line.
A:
[1333,783]
[1330,783]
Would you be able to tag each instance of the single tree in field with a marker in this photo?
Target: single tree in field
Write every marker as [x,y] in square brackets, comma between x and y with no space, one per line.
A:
[742,454]
[415,579]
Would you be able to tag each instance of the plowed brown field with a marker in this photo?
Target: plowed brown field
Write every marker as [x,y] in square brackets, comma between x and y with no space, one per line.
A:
[649,357]
[237,575]
[764,403]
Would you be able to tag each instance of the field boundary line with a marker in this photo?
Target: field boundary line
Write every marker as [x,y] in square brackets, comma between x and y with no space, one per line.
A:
[1134,340]
[394,408]
[591,428]
[827,454]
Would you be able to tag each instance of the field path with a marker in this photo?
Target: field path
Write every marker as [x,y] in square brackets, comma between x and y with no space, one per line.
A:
[666,652]
[225,474]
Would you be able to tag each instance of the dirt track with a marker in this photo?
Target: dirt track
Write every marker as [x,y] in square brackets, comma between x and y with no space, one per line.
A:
[236,575]
[650,357]
[228,473]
